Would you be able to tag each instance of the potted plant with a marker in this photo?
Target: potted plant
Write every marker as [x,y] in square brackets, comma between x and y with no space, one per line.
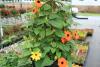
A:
[48,36]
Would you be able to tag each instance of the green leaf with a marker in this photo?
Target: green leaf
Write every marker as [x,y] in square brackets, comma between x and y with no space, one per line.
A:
[39,63]
[58,54]
[46,61]
[23,62]
[42,33]
[43,54]
[46,7]
[47,39]
[36,31]
[36,49]
[49,32]
[26,45]
[61,47]
[25,53]
[3,61]
[47,49]
[57,23]
[66,47]
[53,50]
[54,44]
[59,33]
[36,44]
[68,56]
[68,23]
[40,20]
[53,16]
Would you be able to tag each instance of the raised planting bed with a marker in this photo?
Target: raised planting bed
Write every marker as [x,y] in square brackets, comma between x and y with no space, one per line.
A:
[83,33]
[12,34]
[11,40]
[79,56]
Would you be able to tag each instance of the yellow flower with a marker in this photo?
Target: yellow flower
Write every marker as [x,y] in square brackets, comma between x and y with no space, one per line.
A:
[56,58]
[36,56]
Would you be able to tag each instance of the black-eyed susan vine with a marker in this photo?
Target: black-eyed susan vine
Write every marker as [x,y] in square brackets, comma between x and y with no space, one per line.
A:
[48,37]
[49,34]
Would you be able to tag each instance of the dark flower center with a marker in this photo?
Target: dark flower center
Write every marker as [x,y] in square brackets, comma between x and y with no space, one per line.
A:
[35,54]
[33,10]
[68,35]
[62,62]
[75,34]
[38,1]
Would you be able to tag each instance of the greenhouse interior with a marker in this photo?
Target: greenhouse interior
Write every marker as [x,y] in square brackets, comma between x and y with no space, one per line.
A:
[49,33]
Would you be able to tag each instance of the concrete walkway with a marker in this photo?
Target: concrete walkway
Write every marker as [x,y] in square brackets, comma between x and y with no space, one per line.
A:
[93,58]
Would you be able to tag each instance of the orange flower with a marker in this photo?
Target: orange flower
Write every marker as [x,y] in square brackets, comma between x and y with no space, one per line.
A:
[76,36]
[62,62]
[63,40]
[67,35]
[38,3]
[35,10]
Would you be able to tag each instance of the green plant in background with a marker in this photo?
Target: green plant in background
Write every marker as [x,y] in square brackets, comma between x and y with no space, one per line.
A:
[14,12]
[8,60]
